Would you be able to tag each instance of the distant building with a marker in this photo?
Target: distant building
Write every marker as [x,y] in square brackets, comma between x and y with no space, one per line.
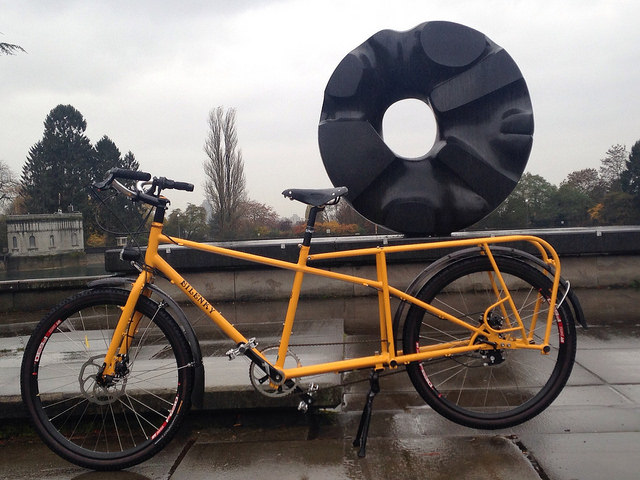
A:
[46,234]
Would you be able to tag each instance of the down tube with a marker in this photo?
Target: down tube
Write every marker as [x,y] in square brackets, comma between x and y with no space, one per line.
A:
[199,300]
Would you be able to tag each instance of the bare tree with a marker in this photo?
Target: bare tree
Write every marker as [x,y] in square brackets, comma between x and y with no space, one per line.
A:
[344,214]
[587,181]
[224,170]
[8,186]
[612,166]
[10,49]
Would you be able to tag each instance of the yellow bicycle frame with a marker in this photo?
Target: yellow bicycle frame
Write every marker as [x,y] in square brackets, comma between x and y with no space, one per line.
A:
[387,357]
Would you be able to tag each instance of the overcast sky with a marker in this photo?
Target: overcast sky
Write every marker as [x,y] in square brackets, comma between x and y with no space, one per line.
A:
[147,72]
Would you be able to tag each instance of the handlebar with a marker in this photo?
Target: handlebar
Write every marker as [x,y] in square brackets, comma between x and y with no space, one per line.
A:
[121,173]
[151,195]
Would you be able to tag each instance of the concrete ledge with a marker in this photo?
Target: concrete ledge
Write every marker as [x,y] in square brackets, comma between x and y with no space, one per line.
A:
[566,241]
[227,383]
[591,258]
[38,294]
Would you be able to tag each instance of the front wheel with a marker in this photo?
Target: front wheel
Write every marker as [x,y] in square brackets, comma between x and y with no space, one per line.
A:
[492,388]
[113,425]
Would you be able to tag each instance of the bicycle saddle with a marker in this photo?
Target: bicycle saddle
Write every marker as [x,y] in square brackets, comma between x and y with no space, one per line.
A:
[316,197]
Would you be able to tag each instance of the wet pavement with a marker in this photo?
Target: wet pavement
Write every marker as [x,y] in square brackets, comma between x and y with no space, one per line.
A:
[592,431]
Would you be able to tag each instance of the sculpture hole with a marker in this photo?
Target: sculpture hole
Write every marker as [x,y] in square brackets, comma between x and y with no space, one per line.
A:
[409,128]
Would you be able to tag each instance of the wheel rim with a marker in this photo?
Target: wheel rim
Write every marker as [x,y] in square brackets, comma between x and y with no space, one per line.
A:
[490,384]
[95,420]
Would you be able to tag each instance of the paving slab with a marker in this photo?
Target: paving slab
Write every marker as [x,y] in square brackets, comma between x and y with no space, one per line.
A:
[291,445]
[591,431]
[631,392]
[618,365]
[324,450]
[587,456]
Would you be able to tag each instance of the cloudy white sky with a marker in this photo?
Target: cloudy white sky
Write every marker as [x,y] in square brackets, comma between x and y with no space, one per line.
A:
[146,73]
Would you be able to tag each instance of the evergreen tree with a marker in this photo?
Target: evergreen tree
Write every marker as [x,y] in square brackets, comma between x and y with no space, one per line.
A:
[58,167]
[630,177]
[107,156]
[129,162]
[120,216]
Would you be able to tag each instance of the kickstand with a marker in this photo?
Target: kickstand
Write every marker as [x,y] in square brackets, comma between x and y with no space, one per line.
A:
[365,419]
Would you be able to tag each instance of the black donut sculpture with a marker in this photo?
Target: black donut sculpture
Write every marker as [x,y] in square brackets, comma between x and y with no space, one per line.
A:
[484,127]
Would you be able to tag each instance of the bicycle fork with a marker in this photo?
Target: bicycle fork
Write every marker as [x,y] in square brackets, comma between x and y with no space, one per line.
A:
[117,356]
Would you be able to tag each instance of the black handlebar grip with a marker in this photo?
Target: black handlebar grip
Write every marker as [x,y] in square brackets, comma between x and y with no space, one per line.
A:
[183,186]
[166,183]
[129,174]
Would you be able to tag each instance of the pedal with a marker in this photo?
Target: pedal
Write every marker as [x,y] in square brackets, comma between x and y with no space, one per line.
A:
[307,398]
[241,349]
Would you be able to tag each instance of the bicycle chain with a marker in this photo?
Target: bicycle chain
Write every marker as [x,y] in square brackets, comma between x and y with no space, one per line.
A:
[343,384]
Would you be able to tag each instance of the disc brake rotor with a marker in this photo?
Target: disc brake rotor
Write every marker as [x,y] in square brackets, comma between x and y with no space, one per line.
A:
[92,391]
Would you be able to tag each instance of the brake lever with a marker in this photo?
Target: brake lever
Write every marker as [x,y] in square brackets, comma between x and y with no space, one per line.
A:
[105,184]
[140,187]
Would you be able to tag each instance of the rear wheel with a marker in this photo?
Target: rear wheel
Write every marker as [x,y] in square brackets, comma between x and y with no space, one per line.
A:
[493,388]
[121,423]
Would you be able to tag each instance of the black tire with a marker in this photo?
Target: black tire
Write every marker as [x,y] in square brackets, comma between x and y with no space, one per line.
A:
[98,427]
[474,389]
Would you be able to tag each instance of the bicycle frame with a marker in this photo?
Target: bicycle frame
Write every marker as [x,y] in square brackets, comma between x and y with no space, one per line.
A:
[482,336]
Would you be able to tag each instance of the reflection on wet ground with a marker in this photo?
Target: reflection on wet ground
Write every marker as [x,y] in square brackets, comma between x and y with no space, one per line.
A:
[615,337]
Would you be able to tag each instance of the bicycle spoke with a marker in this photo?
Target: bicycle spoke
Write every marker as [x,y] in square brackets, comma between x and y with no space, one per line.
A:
[55,404]
[80,417]
[148,406]
[124,414]
[137,416]
[492,385]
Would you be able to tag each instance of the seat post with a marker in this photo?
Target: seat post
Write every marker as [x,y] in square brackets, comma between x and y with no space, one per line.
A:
[311,222]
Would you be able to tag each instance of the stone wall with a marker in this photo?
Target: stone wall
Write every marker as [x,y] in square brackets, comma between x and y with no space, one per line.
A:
[38,235]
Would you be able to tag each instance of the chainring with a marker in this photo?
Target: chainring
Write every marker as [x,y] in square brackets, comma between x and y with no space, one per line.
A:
[260,380]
